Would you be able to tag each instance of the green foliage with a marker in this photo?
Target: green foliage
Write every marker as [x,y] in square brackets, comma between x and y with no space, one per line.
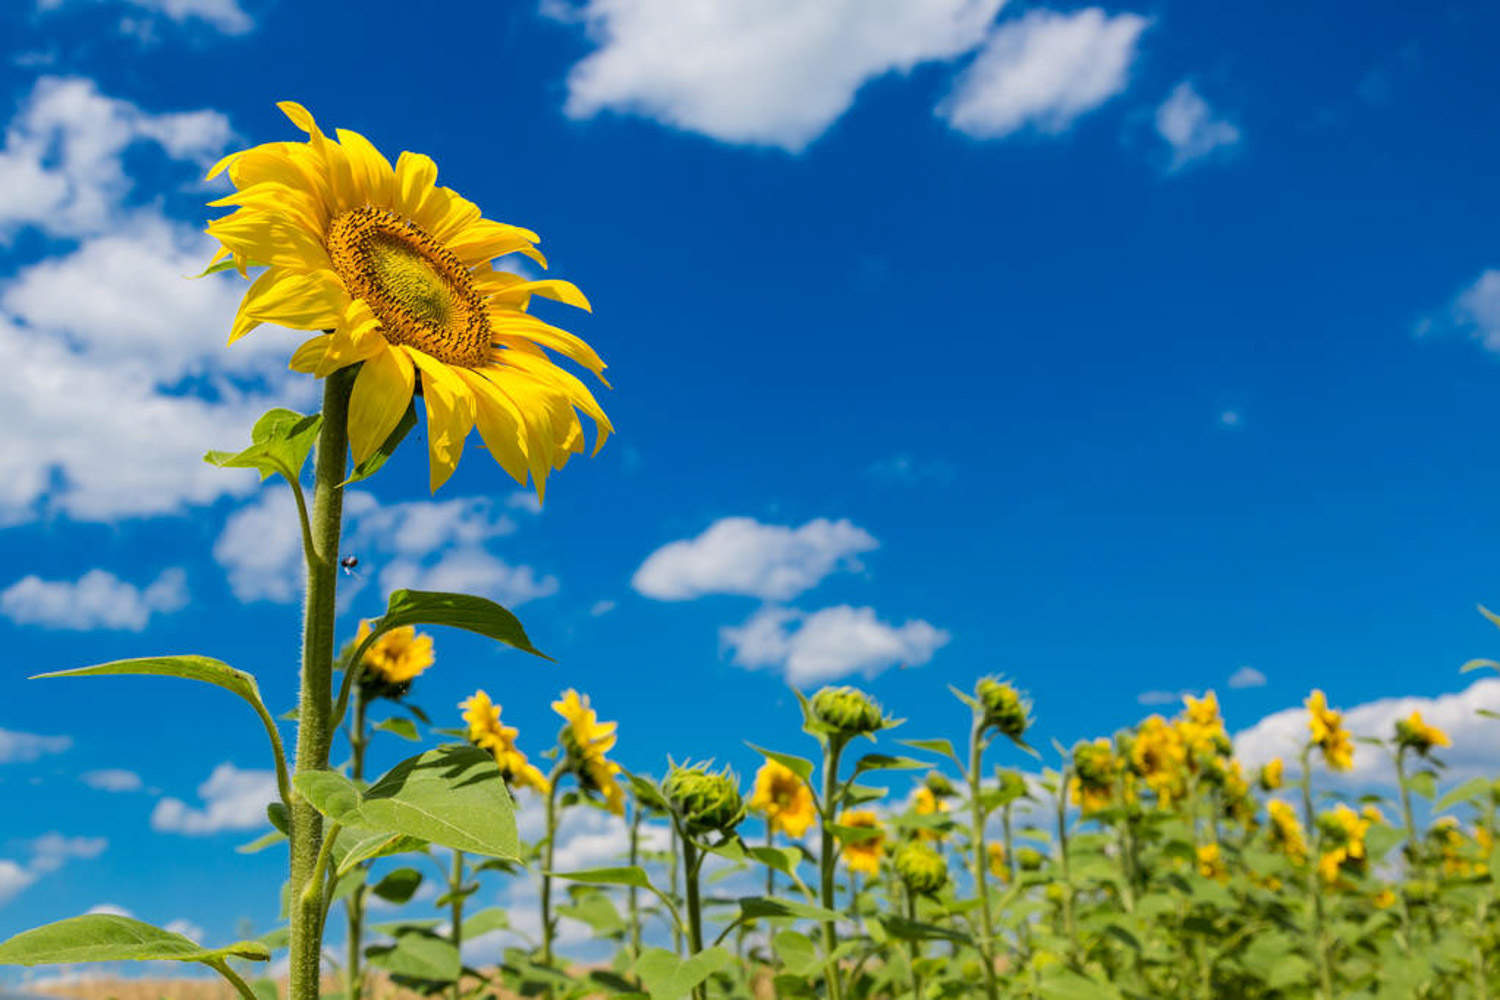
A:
[101,937]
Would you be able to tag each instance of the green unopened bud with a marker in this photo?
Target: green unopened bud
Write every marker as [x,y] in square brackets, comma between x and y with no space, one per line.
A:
[847,711]
[1030,859]
[922,869]
[938,784]
[1012,785]
[1003,707]
[705,800]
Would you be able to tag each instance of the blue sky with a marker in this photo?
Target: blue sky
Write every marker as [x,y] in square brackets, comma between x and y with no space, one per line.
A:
[1115,349]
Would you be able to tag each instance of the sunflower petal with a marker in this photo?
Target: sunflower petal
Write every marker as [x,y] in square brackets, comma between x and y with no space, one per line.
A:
[301,301]
[416,175]
[500,424]
[382,392]
[450,414]
[372,171]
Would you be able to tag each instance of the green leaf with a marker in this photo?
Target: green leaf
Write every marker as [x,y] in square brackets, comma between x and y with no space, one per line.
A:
[855,834]
[281,441]
[757,907]
[1424,783]
[354,847]
[943,747]
[491,918]
[398,886]
[630,876]
[473,614]
[404,728]
[453,796]
[103,937]
[1473,788]
[668,977]
[782,859]
[597,912]
[797,953]
[419,955]
[884,762]
[371,465]
[262,842]
[799,766]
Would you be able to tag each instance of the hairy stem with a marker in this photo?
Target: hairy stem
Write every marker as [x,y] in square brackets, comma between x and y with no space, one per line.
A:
[981,861]
[355,907]
[315,704]
[690,863]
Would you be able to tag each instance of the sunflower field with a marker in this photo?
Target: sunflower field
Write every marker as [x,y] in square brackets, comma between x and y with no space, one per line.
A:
[1145,864]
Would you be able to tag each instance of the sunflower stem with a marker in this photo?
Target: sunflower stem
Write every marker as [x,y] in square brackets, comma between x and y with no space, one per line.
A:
[548,853]
[634,893]
[315,704]
[826,859]
[1314,880]
[981,854]
[691,860]
[353,974]
[456,889]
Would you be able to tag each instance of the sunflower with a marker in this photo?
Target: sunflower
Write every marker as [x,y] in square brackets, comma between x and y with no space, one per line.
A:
[1415,734]
[396,272]
[784,799]
[1211,863]
[1095,767]
[864,855]
[1286,832]
[482,716]
[1272,775]
[995,852]
[1342,833]
[1158,756]
[586,740]
[393,660]
[1328,732]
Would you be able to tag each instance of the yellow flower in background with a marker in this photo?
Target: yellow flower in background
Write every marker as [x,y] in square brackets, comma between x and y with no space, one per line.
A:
[1384,899]
[399,270]
[1211,863]
[1201,726]
[1286,831]
[998,867]
[1328,732]
[397,656]
[863,856]
[1158,756]
[783,799]
[586,740]
[1271,776]
[1342,832]
[1415,734]
[1094,770]
[1371,812]
[482,717]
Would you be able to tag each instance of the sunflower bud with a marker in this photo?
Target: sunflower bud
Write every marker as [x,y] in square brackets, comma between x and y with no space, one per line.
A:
[1012,785]
[705,800]
[1030,859]
[938,784]
[922,869]
[1003,708]
[848,711]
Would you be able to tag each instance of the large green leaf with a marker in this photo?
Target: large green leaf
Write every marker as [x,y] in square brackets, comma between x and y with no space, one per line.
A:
[632,876]
[453,796]
[668,977]
[753,907]
[398,886]
[103,937]
[800,766]
[797,953]
[281,441]
[418,955]
[473,614]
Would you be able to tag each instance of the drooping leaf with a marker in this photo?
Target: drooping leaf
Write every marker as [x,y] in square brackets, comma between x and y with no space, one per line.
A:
[756,907]
[884,762]
[262,842]
[668,977]
[472,614]
[797,952]
[398,886]
[799,766]
[491,918]
[404,728]
[105,937]
[628,876]
[1473,788]
[943,747]
[597,912]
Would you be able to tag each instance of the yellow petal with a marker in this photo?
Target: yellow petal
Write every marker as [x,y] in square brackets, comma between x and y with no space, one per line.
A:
[356,338]
[301,301]
[500,425]
[300,116]
[415,176]
[372,171]
[310,355]
[512,323]
[450,414]
[382,392]
[483,239]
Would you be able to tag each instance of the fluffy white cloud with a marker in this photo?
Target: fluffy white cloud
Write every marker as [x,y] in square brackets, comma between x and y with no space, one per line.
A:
[1283,733]
[226,16]
[739,555]
[1189,126]
[49,852]
[112,779]
[1043,71]
[26,747]
[831,643]
[1475,313]
[13,879]
[603,607]
[61,169]
[1247,677]
[185,927]
[758,72]
[1160,697]
[232,800]
[423,544]
[98,599]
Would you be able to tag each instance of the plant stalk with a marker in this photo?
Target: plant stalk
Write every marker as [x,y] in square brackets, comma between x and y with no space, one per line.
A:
[355,907]
[826,860]
[691,860]
[981,855]
[1314,882]
[455,888]
[315,703]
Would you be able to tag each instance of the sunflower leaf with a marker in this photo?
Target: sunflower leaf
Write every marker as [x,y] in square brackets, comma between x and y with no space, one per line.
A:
[473,614]
[372,464]
[105,937]
[667,977]
[280,443]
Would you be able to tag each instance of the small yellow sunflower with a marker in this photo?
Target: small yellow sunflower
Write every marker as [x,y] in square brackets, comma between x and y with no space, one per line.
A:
[1328,732]
[783,799]
[1415,734]
[586,740]
[863,856]
[397,656]
[998,867]
[1095,767]
[482,716]
[397,273]
[1211,863]
[1272,775]
[1286,830]
[1158,755]
[1342,833]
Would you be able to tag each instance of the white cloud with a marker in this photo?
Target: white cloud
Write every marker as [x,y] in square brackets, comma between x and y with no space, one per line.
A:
[423,544]
[828,644]
[49,852]
[603,607]
[1230,418]
[1247,677]
[232,800]
[96,600]
[904,470]
[1283,733]
[186,928]
[112,780]
[110,909]
[226,16]
[61,169]
[1189,126]
[26,747]
[1476,311]
[1160,697]
[739,555]
[13,879]
[757,72]
[1043,71]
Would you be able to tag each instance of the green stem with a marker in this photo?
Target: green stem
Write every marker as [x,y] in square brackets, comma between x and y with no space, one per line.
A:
[1314,882]
[690,862]
[455,889]
[981,862]
[677,938]
[1070,926]
[241,987]
[314,722]
[827,859]
[548,851]
[355,907]
[1413,848]
[914,945]
[634,893]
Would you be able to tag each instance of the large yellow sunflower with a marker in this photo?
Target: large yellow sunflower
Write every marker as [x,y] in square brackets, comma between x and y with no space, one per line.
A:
[398,656]
[397,273]
[784,799]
